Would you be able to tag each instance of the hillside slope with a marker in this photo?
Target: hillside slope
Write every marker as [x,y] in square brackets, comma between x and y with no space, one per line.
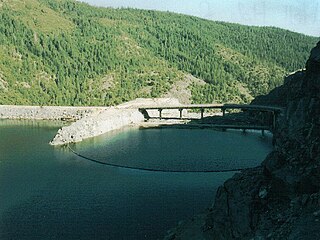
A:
[62,52]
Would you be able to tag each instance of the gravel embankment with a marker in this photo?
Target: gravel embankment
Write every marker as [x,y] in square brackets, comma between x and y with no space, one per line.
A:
[112,118]
[47,112]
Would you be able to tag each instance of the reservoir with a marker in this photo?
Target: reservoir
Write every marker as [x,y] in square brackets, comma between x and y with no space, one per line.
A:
[50,193]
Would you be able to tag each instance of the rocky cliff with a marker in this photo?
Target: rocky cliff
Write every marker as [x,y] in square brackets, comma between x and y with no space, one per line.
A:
[281,198]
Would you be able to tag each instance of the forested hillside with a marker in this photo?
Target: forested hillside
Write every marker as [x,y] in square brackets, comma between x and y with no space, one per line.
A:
[62,52]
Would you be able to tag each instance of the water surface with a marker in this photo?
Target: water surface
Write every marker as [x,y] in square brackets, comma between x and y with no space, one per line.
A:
[176,149]
[49,193]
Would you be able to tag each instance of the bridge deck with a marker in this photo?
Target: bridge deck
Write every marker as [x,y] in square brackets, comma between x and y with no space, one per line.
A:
[259,108]
[217,106]
[224,126]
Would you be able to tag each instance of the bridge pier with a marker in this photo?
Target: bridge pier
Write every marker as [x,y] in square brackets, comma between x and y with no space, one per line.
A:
[180,110]
[223,111]
[274,119]
[160,113]
[262,118]
[202,113]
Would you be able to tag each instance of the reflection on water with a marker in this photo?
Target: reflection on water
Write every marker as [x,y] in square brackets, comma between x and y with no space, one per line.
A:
[49,193]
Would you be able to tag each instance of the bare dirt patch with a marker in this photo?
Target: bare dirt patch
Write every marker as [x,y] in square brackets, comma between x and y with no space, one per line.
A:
[181,89]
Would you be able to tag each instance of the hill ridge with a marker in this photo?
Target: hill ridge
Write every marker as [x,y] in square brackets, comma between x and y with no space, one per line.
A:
[63,52]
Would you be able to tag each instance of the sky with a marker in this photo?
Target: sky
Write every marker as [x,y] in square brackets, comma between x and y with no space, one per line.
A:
[297,15]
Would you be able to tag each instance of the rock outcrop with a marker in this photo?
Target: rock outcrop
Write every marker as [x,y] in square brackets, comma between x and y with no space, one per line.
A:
[281,198]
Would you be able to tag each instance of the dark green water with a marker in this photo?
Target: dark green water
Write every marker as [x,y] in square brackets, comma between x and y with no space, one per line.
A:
[49,193]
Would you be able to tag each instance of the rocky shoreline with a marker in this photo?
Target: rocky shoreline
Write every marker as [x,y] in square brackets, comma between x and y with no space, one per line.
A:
[87,122]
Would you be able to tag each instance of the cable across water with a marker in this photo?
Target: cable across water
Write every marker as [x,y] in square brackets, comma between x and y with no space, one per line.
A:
[152,169]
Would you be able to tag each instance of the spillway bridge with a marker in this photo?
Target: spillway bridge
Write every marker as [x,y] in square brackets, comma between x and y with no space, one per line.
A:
[266,112]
